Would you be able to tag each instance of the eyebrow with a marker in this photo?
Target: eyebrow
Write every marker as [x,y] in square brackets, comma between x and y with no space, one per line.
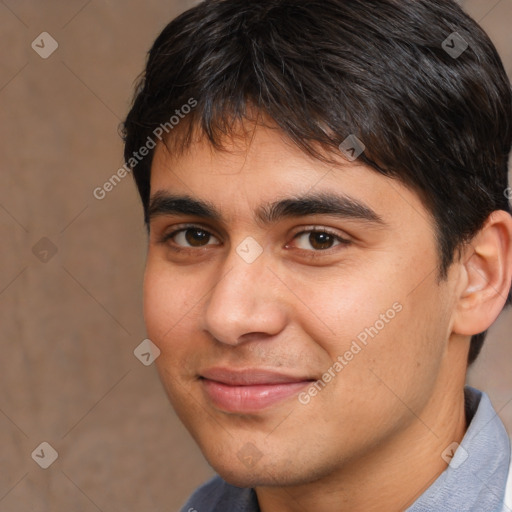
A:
[321,203]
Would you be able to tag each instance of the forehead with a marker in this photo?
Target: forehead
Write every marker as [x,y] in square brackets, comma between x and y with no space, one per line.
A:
[262,166]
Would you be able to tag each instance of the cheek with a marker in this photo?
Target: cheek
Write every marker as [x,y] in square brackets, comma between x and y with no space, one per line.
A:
[379,321]
[168,302]
[343,306]
[170,307]
[158,298]
[402,358]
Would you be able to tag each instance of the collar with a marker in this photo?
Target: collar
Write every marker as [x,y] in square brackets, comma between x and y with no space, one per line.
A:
[476,477]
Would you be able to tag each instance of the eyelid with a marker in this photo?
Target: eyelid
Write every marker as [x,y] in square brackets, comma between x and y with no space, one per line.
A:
[321,229]
[184,227]
[340,241]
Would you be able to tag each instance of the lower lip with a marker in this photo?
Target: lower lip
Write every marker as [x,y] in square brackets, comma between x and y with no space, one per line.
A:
[248,399]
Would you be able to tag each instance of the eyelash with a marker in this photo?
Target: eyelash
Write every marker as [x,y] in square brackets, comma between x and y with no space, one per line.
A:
[311,229]
[318,229]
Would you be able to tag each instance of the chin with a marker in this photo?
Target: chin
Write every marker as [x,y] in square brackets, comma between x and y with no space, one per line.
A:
[262,474]
[252,478]
[242,478]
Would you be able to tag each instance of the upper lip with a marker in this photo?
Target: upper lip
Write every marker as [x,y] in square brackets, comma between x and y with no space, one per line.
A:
[249,376]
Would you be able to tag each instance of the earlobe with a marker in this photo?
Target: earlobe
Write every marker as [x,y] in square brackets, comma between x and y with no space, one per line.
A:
[487,276]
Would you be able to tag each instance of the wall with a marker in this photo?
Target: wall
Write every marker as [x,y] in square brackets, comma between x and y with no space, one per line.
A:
[71,268]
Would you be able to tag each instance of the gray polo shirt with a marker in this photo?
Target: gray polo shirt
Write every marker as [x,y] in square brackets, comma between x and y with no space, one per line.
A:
[474,481]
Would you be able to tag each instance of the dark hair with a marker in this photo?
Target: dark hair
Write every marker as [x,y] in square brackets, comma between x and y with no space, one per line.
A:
[322,70]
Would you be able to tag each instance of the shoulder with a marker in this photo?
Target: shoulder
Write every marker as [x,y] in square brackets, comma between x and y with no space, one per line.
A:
[508,489]
[217,495]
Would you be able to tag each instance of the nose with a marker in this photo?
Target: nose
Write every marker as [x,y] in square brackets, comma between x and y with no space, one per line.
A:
[246,302]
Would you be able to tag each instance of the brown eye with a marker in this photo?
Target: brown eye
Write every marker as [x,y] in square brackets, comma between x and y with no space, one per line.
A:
[318,240]
[192,237]
[321,241]
[197,237]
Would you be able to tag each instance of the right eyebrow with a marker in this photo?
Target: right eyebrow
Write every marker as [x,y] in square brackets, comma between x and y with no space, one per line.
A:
[162,203]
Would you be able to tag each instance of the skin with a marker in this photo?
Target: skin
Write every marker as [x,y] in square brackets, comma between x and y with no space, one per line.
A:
[373,437]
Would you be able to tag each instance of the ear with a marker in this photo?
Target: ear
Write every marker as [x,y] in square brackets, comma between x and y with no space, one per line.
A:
[486,276]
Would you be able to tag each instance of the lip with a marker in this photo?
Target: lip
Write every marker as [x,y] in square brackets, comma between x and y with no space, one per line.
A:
[249,390]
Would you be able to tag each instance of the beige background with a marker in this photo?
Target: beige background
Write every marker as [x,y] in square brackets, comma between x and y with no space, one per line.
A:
[69,325]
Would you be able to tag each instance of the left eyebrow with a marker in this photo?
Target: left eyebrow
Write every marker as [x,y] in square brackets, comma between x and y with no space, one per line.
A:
[321,203]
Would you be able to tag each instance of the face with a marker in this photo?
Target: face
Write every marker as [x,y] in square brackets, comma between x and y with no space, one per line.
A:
[296,306]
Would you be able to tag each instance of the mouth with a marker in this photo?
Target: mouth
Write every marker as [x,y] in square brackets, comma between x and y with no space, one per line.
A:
[250,390]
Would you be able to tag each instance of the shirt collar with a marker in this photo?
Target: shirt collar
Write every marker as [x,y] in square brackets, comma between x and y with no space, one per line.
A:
[477,473]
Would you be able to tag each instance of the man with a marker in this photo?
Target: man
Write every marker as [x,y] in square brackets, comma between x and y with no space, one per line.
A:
[325,188]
